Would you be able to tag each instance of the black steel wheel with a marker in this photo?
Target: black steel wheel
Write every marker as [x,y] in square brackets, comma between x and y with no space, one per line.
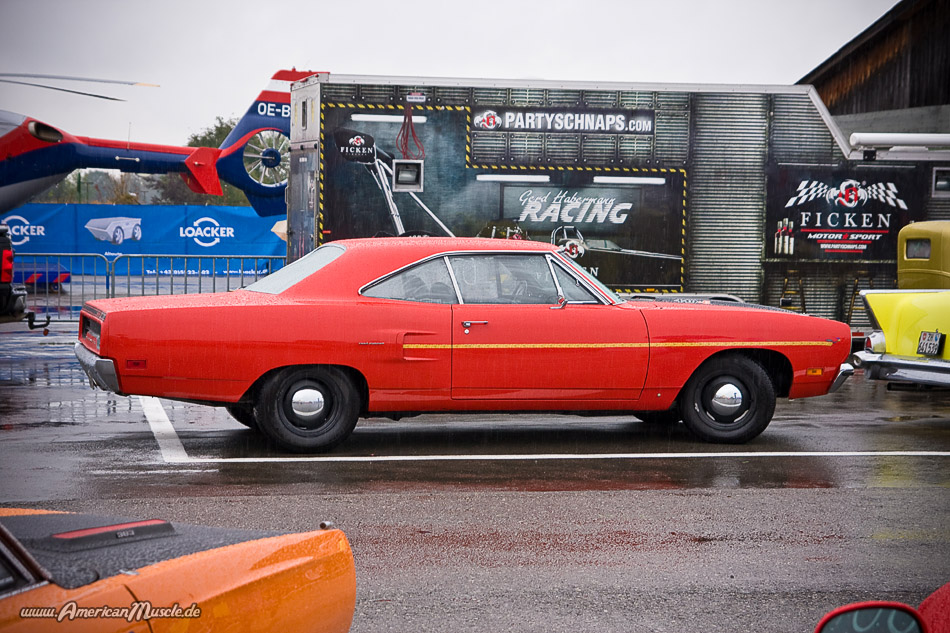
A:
[244,414]
[730,399]
[308,409]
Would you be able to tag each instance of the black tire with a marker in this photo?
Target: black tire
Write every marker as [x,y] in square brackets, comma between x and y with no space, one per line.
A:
[244,414]
[732,377]
[330,421]
[670,416]
[118,236]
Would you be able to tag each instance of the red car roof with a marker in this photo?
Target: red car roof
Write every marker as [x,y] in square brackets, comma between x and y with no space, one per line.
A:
[432,245]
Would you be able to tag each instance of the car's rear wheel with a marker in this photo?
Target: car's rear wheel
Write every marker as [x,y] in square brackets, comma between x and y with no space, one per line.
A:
[729,399]
[244,414]
[308,409]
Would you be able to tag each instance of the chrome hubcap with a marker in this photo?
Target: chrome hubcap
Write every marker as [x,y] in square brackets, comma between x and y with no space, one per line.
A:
[727,400]
[307,403]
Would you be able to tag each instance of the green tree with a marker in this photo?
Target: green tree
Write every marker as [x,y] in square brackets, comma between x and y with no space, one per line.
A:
[214,135]
[173,190]
[122,190]
[63,192]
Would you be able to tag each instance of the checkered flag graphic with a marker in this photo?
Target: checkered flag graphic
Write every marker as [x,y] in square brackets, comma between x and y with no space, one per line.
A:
[807,191]
[886,193]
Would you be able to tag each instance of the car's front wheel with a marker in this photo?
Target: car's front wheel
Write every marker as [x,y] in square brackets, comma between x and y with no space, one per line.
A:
[729,399]
[308,409]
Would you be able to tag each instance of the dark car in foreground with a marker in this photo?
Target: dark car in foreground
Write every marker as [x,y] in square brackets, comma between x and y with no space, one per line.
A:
[76,572]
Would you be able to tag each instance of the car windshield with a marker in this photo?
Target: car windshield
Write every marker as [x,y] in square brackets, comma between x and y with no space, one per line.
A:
[292,274]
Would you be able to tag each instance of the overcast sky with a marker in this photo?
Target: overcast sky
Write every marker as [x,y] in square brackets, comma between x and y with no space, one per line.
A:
[212,57]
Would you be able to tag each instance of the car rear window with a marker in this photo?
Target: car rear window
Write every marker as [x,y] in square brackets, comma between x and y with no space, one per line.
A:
[428,282]
[292,274]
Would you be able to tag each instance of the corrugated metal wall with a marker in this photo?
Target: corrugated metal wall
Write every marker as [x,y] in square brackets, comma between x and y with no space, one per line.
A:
[938,209]
[828,287]
[800,136]
[727,193]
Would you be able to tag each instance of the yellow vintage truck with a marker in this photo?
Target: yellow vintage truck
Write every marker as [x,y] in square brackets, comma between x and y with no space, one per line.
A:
[909,341]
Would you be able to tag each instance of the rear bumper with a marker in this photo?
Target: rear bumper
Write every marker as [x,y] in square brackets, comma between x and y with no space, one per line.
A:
[101,371]
[917,370]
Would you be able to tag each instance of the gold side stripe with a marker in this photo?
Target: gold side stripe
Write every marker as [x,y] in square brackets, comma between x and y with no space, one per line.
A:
[527,346]
[749,344]
[617,345]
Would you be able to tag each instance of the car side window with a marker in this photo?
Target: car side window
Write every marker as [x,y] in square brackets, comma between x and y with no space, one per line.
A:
[428,282]
[524,279]
[572,288]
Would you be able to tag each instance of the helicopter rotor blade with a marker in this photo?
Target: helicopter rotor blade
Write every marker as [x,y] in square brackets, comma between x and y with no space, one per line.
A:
[71,78]
[76,92]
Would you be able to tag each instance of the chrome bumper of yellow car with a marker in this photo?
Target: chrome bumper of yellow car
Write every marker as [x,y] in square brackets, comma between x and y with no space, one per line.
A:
[910,369]
[101,371]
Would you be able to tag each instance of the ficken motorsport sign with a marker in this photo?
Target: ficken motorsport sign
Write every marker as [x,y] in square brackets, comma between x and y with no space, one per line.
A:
[821,214]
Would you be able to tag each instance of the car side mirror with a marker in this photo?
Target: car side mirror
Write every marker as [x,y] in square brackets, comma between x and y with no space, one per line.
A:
[872,617]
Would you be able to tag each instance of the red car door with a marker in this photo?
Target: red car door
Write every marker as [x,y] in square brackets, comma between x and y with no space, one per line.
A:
[511,341]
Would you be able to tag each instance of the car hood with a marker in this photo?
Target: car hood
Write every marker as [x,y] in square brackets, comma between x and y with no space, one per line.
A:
[674,303]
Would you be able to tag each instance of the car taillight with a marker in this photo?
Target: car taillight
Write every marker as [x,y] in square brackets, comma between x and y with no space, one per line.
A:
[6,267]
[875,343]
[90,330]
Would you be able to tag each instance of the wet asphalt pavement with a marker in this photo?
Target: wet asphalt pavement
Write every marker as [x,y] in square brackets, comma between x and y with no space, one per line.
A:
[523,523]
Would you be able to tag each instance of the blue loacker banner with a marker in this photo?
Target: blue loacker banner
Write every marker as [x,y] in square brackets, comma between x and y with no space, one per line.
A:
[216,240]
[115,230]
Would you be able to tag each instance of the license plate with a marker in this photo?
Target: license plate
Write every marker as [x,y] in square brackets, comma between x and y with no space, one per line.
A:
[930,343]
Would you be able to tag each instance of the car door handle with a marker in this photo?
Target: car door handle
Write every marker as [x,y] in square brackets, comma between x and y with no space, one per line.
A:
[471,323]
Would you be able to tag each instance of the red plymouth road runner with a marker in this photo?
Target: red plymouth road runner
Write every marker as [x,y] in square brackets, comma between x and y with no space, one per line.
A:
[399,326]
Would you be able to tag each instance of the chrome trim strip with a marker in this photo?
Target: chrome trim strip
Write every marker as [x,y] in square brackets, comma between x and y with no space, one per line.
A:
[604,300]
[427,258]
[925,371]
[594,290]
[557,284]
[844,372]
[455,282]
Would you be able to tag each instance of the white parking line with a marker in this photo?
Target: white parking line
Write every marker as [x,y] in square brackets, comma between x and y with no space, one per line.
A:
[169,443]
[173,452]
